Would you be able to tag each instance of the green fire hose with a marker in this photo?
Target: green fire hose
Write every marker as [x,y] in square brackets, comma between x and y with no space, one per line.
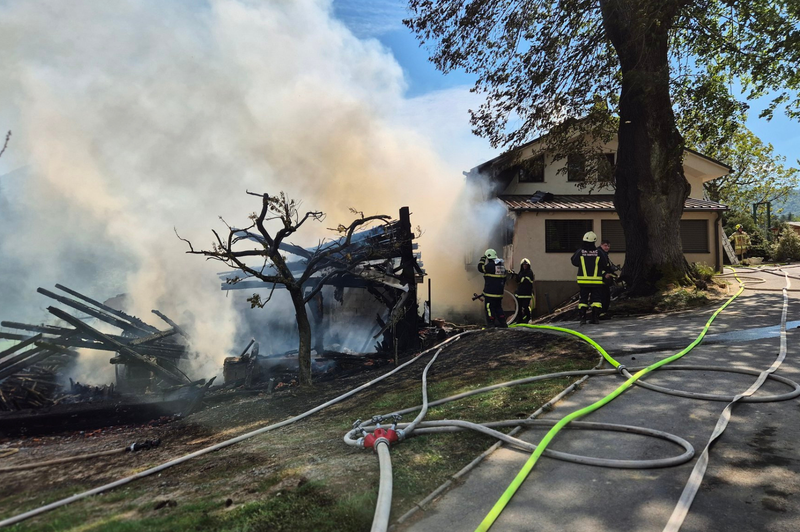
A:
[494,513]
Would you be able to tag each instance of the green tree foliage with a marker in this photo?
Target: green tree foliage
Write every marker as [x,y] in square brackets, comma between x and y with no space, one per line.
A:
[576,68]
[787,247]
[759,175]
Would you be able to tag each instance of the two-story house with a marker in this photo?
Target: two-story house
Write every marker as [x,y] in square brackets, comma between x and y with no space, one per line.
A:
[548,214]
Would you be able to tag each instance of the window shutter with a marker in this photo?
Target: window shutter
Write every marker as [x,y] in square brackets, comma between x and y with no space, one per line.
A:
[694,236]
[612,231]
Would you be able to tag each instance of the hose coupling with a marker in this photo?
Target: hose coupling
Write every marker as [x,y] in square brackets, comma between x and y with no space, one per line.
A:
[389,436]
[621,368]
[358,429]
[380,440]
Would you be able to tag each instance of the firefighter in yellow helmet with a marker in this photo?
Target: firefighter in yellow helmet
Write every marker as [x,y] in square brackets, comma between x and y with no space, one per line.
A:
[741,242]
[592,267]
[524,293]
[494,282]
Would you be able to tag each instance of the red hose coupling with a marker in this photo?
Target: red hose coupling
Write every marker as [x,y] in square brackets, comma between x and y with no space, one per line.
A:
[387,434]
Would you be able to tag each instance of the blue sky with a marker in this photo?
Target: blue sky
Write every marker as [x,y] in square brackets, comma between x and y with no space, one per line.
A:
[382,20]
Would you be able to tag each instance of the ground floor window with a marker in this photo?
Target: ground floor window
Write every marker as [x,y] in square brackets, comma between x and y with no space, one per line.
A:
[694,235]
[565,236]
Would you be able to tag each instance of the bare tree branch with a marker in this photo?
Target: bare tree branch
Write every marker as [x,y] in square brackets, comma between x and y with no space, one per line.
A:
[5,145]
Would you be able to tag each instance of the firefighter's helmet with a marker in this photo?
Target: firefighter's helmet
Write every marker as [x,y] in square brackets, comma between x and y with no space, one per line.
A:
[738,226]
[590,236]
[490,254]
[525,261]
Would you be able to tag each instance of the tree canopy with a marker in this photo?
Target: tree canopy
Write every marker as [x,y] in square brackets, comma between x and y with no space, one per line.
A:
[579,68]
[541,62]
[759,175]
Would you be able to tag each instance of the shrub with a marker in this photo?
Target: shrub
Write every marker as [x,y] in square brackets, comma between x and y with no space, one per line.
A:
[703,275]
[787,247]
[761,249]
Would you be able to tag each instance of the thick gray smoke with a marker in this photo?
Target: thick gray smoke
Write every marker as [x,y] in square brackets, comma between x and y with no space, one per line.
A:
[134,117]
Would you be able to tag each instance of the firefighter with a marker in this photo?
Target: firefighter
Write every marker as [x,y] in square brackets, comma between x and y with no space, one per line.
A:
[494,281]
[524,293]
[592,266]
[741,242]
[608,278]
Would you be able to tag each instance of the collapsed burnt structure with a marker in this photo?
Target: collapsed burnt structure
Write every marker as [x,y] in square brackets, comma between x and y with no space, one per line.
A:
[381,261]
[146,361]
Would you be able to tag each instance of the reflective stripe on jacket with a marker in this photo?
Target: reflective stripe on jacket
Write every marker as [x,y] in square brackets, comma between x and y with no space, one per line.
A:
[525,284]
[494,277]
[740,241]
[591,266]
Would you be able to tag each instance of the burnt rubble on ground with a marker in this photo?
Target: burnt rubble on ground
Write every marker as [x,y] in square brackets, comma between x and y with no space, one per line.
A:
[34,371]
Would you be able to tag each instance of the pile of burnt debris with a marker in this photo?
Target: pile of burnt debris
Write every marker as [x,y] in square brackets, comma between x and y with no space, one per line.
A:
[254,371]
[33,372]
[37,394]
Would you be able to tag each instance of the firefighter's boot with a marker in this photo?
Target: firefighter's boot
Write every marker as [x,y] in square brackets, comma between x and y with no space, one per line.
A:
[595,315]
[582,314]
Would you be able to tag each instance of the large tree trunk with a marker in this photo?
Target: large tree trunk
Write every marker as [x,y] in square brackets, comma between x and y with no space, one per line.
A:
[304,331]
[650,184]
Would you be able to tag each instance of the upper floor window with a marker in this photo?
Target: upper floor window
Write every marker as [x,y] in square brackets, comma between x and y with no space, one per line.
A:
[532,170]
[576,167]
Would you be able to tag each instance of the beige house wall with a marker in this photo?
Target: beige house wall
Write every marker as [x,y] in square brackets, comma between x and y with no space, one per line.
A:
[555,274]
[697,170]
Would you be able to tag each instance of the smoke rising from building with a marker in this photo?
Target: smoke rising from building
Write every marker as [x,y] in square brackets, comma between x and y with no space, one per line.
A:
[135,117]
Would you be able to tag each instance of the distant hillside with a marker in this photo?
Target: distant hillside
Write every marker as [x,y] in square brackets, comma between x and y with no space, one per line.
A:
[790,205]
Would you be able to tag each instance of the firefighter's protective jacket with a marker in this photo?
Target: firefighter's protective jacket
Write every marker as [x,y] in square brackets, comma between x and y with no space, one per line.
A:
[525,283]
[741,241]
[494,276]
[591,264]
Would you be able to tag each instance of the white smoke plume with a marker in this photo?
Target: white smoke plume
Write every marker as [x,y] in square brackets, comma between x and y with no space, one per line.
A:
[134,117]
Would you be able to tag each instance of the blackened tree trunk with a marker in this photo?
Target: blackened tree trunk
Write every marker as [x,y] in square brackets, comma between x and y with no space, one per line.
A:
[304,331]
[650,185]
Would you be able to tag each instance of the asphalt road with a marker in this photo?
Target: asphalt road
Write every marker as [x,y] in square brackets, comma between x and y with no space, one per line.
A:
[753,477]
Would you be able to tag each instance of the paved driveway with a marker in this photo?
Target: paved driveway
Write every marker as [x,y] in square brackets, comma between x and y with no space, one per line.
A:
[753,478]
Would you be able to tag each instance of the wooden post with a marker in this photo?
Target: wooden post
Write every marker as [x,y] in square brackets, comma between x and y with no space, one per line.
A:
[409,333]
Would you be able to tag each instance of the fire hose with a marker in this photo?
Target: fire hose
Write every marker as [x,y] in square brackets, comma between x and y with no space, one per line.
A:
[216,447]
[426,427]
[147,444]
[689,492]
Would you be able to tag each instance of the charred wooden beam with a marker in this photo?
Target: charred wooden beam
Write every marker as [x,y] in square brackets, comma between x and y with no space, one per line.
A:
[409,331]
[102,316]
[127,317]
[25,343]
[171,323]
[121,348]
[46,329]
[16,359]
[160,335]
[31,357]
[144,345]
